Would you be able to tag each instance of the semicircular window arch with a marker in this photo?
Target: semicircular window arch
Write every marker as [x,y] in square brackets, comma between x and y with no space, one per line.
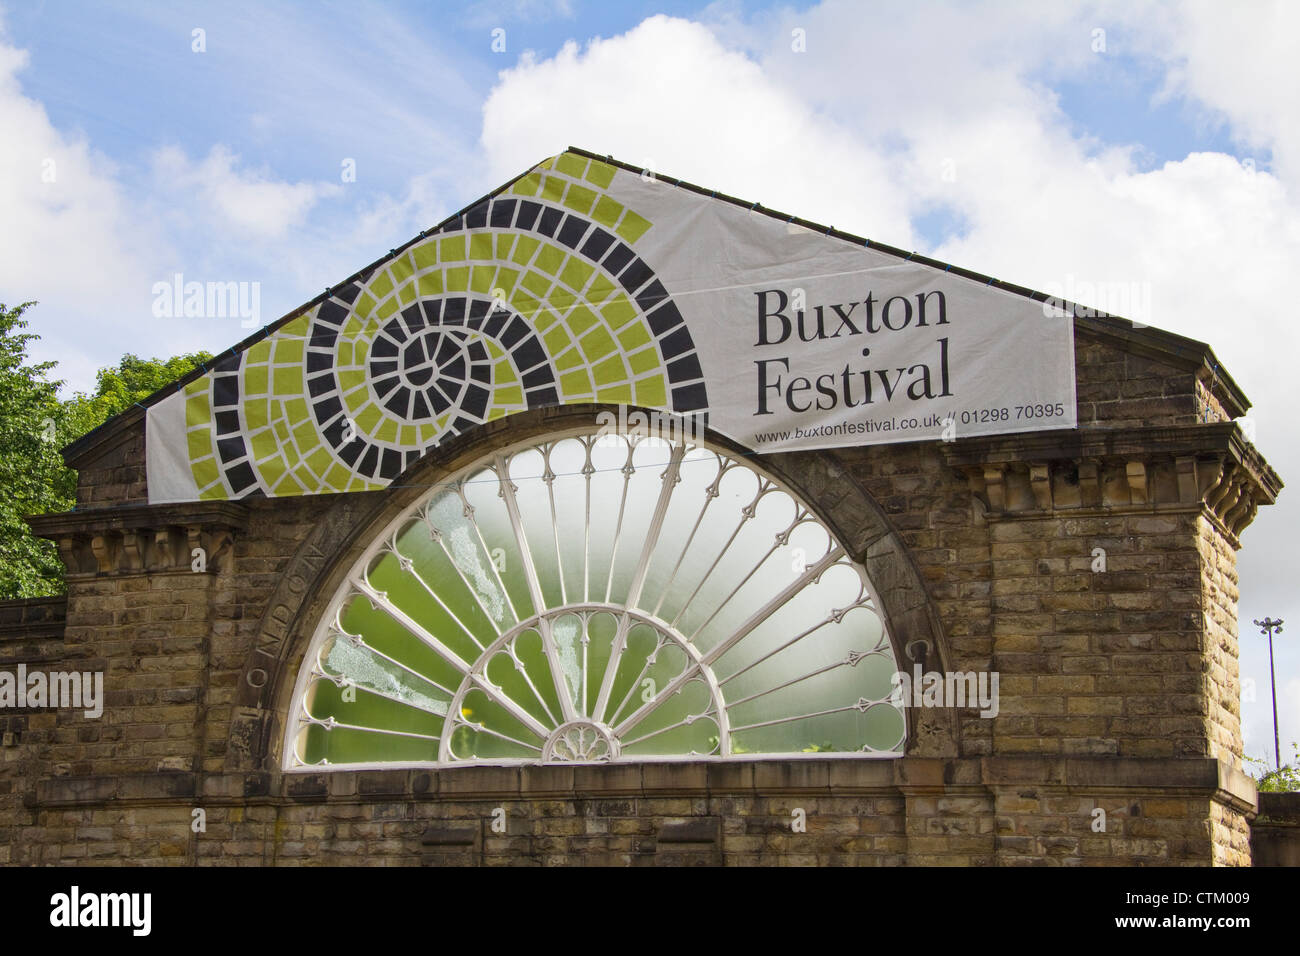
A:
[596,597]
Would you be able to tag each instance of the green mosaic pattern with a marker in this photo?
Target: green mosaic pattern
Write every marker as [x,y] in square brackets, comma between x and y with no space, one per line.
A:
[532,298]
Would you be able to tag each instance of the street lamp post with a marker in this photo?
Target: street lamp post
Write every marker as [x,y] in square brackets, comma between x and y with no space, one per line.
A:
[1269,626]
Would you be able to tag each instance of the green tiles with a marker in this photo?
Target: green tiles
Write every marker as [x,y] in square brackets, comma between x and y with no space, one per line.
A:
[461,327]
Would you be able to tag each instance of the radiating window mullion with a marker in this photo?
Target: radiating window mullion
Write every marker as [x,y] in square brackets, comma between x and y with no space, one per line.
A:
[669,480]
[528,679]
[706,660]
[628,470]
[483,729]
[711,494]
[333,723]
[378,693]
[507,493]
[743,581]
[416,629]
[480,680]
[588,469]
[357,641]
[790,643]
[862,705]
[812,573]
[557,670]
[746,515]
[534,587]
[409,567]
[548,476]
[470,514]
[611,667]
[645,667]
[794,680]
[684,722]
[585,640]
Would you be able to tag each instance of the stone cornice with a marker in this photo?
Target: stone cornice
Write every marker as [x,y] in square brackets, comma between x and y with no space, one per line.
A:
[137,539]
[903,776]
[1209,467]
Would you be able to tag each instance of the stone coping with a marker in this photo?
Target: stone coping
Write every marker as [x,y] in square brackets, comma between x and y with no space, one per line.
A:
[123,518]
[1279,809]
[25,618]
[909,775]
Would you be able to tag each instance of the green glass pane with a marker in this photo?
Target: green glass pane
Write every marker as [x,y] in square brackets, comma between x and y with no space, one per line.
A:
[508,736]
[513,681]
[341,658]
[646,676]
[343,746]
[601,631]
[678,724]
[382,632]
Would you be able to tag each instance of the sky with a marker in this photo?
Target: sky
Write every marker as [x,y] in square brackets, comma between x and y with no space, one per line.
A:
[1046,144]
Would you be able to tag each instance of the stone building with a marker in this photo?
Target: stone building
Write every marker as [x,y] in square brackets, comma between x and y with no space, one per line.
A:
[1092,569]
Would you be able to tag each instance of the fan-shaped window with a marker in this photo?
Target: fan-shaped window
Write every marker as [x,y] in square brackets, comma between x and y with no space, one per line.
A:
[598,598]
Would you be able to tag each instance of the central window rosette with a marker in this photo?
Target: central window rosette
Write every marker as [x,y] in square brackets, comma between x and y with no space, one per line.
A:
[585,679]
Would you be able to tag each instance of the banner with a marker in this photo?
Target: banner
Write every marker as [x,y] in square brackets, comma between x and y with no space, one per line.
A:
[583,282]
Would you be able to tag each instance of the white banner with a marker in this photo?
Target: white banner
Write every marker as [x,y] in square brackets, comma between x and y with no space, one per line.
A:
[584,283]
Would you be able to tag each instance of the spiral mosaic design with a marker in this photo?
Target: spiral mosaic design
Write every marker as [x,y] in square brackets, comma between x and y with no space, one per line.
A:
[533,298]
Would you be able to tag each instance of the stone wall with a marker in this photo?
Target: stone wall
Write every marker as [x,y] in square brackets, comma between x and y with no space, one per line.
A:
[1275,832]
[1119,681]
[31,632]
[914,811]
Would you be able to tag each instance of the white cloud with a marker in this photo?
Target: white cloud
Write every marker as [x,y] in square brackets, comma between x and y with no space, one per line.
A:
[250,202]
[669,95]
[66,240]
[1236,62]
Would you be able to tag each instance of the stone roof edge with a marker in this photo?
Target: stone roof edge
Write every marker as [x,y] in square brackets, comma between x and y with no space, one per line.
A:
[1178,350]
[1154,343]
[1143,441]
[87,521]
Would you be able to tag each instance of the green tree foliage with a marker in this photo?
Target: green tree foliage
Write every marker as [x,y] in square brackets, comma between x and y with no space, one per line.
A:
[33,478]
[34,426]
[117,389]
[1284,779]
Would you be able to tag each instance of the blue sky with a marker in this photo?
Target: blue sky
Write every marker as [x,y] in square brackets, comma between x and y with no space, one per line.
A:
[1009,137]
[285,93]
